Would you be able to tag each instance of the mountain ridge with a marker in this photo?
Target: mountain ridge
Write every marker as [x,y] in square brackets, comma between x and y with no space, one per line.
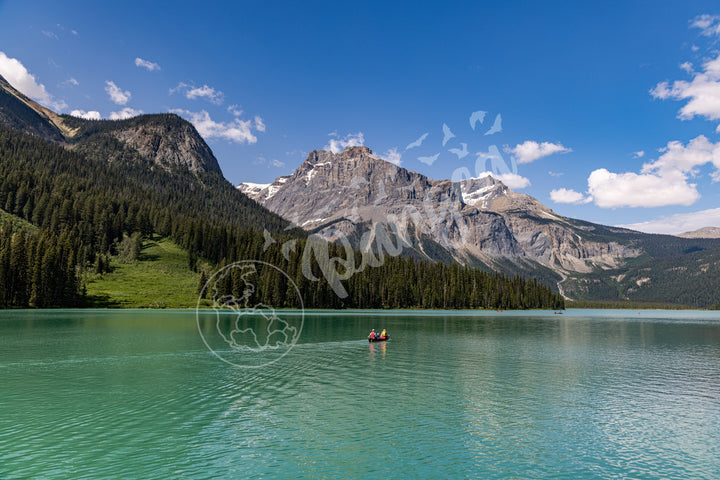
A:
[165,140]
[477,219]
[92,214]
[22,113]
[354,196]
[704,232]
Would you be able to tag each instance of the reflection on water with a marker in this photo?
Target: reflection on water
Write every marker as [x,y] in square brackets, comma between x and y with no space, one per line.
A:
[136,394]
[380,348]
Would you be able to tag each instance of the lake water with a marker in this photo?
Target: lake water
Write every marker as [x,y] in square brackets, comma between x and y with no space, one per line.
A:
[586,394]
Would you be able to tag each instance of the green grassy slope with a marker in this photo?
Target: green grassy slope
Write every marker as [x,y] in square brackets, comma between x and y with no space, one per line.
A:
[159,278]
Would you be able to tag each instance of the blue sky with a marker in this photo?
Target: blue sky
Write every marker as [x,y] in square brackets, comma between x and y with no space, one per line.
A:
[607,112]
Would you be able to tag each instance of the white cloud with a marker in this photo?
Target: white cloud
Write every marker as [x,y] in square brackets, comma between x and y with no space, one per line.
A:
[679,223]
[564,195]
[18,76]
[676,156]
[709,24]
[238,131]
[206,92]
[702,92]
[117,95]
[611,190]
[512,180]
[259,125]
[271,163]
[530,151]
[639,154]
[146,64]
[337,145]
[70,82]
[235,110]
[125,113]
[660,182]
[90,115]
[393,156]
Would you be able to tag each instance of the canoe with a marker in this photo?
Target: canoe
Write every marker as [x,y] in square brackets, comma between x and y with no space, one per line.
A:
[378,339]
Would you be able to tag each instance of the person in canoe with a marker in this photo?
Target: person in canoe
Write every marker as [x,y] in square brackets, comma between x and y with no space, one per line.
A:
[377,337]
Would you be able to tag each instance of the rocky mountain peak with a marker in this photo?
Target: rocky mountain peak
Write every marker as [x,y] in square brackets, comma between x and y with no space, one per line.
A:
[21,113]
[481,191]
[705,232]
[353,193]
[350,153]
[4,84]
[356,151]
[165,140]
[489,193]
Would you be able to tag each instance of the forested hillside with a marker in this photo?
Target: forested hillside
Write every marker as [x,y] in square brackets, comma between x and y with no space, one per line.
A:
[84,209]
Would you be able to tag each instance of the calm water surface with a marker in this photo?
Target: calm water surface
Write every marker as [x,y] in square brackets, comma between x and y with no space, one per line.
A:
[586,394]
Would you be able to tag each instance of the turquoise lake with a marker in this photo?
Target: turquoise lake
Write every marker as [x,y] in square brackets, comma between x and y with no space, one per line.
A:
[138,394]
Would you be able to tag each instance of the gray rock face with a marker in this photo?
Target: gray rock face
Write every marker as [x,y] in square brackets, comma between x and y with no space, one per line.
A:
[165,140]
[169,143]
[20,113]
[355,194]
[550,239]
[705,232]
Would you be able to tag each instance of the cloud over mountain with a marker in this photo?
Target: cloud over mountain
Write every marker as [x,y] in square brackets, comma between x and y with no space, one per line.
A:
[337,145]
[117,95]
[18,76]
[238,131]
